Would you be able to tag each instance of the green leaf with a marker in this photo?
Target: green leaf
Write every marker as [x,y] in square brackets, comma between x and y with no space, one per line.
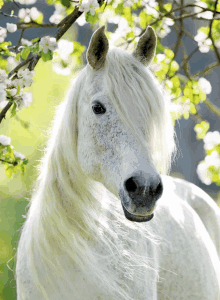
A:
[91,18]
[25,161]
[144,19]
[192,109]
[186,114]
[18,56]
[176,82]
[169,53]
[13,111]
[201,129]
[47,56]
[35,40]
[9,171]
[65,3]
[1,3]
[39,19]
[168,7]
[25,52]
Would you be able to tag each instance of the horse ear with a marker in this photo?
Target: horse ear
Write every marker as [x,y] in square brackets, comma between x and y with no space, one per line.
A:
[98,48]
[146,46]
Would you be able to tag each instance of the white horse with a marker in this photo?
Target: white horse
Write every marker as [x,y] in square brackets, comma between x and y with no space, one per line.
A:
[92,231]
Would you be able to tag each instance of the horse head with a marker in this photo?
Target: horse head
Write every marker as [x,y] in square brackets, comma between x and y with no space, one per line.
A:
[109,151]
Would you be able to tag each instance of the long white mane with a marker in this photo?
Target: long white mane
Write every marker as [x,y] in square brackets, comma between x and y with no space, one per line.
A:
[73,221]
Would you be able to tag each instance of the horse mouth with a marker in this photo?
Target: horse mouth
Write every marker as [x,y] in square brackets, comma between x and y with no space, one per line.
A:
[136,218]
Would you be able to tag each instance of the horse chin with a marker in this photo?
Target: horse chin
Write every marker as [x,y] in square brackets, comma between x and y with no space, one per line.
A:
[136,218]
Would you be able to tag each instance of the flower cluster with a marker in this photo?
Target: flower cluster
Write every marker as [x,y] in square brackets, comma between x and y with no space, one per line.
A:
[205,85]
[3,84]
[26,2]
[206,14]
[48,43]
[203,41]
[59,14]
[10,27]
[3,34]
[65,48]
[211,140]
[5,140]
[209,169]
[24,79]
[89,5]
[27,14]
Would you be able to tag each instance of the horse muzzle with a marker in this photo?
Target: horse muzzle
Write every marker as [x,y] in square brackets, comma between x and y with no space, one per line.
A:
[139,195]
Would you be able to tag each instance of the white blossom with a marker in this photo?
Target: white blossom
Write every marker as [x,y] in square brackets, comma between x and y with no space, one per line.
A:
[27,99]
[26,2]
[211,140]
[160,57]
[59,14]
[11,27]
[82,20]
[59,70]
[3,34]
[24,78]
[13,92]
[3,77]
[2,93]
[200,37]
[203,42]
[164,30]
[48,43]
[12,63]
[18,154]
[27,14]
[26,42]
[203,173]
[65,47]
[176,108]
[149,5]
[34,13]
[206,14]
[24,14]
[89,5]
[213,159]
[205,85]
[5,140]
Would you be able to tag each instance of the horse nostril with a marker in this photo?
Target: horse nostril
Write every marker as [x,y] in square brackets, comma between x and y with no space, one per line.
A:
[159,189]
[130,185]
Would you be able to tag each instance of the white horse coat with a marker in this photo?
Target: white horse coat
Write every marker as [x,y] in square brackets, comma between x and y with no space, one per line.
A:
[174,254]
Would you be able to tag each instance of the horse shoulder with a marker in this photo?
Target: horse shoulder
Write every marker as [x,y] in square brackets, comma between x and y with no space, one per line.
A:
[203,205]
[188,257]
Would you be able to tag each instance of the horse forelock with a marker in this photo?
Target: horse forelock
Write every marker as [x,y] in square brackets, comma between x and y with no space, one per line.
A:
[139,100]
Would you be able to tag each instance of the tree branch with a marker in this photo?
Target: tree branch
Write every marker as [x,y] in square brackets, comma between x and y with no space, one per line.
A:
[212,107]
[64,25]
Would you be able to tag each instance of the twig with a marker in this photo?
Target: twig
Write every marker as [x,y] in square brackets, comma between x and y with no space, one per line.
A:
[22,33]
[6,15]
[207,69]
[212,107]
[35,25]
[8,162]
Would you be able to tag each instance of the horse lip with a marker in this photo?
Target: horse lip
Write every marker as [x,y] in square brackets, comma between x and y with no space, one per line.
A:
[136,218]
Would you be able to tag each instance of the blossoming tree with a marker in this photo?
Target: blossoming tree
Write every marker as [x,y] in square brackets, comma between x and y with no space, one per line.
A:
[186,91]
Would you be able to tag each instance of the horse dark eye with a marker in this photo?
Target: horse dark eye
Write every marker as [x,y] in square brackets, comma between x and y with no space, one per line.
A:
[98,108]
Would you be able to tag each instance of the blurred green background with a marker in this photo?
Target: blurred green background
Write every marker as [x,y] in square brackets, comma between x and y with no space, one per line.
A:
[48,91]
